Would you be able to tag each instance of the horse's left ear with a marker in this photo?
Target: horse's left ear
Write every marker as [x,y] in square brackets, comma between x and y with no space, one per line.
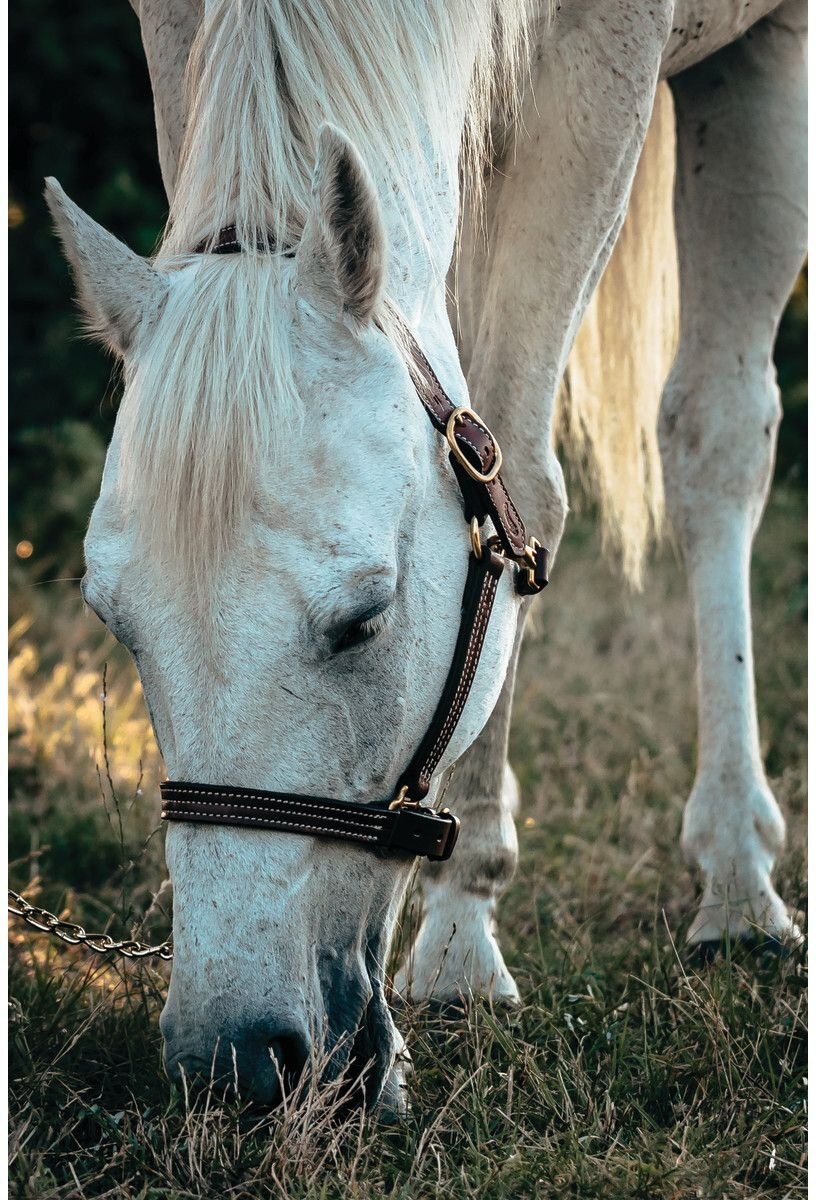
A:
[116,288]
[342,252]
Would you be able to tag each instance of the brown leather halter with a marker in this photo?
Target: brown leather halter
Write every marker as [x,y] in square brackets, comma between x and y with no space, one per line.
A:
[404,826]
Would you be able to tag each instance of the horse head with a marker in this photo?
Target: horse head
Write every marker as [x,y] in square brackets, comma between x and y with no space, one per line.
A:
[279,541]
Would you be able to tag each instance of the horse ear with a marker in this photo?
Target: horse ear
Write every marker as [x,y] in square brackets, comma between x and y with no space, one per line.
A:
[342,251]
[115,287]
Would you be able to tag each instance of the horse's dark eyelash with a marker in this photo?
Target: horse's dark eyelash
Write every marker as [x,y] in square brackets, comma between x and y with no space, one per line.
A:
[374,625]
[361,631]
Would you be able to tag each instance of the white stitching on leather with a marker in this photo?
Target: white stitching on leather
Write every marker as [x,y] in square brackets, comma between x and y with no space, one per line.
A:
[510,505]
[321,809]
[465,679]
[274,822]
[305,808]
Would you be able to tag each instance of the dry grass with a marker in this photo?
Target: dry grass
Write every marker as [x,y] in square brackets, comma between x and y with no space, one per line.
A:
[626,1073]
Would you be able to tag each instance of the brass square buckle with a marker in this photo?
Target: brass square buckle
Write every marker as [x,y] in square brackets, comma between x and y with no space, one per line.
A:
[536,573]
[456,416]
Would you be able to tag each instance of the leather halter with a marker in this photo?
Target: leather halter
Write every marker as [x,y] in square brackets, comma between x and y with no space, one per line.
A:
[405,826]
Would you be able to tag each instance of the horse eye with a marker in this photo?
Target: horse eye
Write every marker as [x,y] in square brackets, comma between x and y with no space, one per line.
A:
[363,629]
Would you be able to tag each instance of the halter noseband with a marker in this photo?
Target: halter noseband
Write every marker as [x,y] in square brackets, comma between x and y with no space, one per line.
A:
[405,826]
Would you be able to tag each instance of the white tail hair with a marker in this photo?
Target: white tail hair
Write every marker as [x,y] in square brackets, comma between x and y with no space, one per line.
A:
[608,409]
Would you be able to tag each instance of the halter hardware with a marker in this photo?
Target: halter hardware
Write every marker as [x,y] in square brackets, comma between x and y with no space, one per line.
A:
[405,825]
[403,800]
[456,418]
[475,538]
[537,559]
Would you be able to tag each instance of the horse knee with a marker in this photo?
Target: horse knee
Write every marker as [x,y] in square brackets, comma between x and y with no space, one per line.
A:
[717,436]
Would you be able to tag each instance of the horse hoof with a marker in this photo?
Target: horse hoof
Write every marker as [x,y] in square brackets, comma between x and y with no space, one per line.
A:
[747,947]
[452,1010]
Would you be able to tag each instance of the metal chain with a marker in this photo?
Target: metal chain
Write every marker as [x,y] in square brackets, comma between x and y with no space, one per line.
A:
[101,943]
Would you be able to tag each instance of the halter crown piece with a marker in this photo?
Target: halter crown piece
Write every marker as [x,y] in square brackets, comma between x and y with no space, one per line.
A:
[405,825]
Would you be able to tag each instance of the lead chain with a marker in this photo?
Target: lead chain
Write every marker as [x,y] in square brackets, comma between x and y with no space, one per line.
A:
[100,943]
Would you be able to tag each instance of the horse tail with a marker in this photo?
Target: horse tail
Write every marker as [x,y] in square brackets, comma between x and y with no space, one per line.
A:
[608,409]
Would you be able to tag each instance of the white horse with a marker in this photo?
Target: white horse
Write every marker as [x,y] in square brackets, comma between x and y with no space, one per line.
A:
[279,537]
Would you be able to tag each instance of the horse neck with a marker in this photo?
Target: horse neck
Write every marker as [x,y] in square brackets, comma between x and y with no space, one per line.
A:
[401,81]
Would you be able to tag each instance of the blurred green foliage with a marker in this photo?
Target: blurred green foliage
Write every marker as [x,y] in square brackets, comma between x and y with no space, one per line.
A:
[81,110]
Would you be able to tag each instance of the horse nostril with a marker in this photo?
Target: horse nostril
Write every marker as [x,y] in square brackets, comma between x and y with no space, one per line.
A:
[261,1066]
[288,1056]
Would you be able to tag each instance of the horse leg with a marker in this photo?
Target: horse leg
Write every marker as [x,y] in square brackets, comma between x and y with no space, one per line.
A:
[168,28]
[556,204]
[741,226]
[456,954]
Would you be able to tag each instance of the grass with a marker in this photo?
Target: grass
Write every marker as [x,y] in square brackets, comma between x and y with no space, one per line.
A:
[627,1072]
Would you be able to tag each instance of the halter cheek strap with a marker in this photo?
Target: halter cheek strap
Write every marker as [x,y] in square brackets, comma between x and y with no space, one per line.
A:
[405,826]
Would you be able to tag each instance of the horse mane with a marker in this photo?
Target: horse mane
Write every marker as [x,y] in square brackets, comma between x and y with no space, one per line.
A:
[403,79]
[210,392]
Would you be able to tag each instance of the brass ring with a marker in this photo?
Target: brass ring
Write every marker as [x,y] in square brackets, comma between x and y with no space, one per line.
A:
[475,537]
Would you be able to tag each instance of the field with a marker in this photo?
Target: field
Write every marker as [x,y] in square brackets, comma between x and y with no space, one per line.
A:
[628,1072]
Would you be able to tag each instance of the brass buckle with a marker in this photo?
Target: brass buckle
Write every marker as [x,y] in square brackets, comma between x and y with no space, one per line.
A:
[530,551]
[450,434]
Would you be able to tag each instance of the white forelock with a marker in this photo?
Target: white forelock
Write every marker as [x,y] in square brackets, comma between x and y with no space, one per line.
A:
[209,396]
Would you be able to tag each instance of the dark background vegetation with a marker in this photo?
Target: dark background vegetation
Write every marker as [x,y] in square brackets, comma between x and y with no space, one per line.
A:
[81,110]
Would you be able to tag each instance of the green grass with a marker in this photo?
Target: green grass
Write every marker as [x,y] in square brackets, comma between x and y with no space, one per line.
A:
[628,1072]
